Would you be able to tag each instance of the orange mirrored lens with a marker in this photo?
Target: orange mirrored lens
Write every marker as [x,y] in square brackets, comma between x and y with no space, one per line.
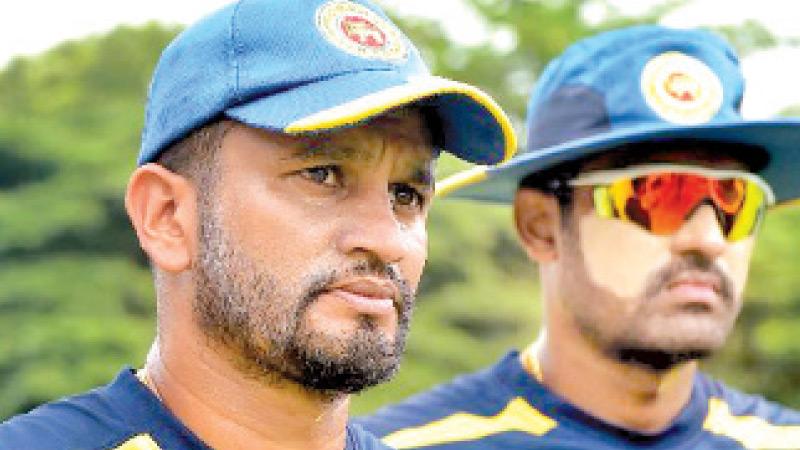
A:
[662,202]
[728,194]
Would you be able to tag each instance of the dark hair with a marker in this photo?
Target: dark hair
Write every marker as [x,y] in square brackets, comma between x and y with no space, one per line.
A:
[194,155]
[554,181]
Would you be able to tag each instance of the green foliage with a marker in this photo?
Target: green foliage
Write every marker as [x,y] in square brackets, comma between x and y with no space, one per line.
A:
[75,296]
[749,37]
[75,293]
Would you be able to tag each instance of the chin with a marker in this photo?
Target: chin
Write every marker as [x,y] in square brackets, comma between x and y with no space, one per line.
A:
[664,354]
[347,363]
[696,334]
[659,360]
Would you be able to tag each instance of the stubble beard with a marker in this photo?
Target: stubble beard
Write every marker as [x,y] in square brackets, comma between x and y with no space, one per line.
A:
[670,352]
[260,320]
[629,342]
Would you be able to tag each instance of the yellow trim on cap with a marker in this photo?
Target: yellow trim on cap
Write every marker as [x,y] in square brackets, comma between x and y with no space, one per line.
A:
[790,203]
[749,431]
[518,415]
[140,442]
[417,88]
[461,179]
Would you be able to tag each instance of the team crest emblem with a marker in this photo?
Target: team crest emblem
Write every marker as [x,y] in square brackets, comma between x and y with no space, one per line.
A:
[360,31]
[681,89]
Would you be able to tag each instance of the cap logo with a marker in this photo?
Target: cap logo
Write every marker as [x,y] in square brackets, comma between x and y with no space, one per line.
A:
[681,89]
[360,31]
[363,32]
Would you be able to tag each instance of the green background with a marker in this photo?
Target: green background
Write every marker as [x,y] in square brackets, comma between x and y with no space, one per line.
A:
[76,298]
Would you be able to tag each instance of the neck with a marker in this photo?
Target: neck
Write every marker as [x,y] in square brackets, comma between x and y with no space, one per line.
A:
[229,409]
[622,394]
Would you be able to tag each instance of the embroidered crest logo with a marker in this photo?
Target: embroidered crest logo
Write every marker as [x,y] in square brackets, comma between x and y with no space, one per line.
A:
[360,31]
[681,89]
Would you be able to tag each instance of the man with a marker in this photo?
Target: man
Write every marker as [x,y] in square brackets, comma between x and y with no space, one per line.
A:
[283,184]
[639,198]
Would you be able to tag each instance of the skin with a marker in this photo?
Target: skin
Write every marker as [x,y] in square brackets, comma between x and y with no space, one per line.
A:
[319,241]
[611,286]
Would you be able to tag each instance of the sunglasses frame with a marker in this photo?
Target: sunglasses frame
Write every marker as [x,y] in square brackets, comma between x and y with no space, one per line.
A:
[606,177]
[601,180]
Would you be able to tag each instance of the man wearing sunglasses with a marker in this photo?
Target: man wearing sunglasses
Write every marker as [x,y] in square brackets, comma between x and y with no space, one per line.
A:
[639,198]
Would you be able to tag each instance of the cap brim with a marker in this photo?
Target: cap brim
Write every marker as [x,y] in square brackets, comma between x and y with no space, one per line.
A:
[473,126]
[780,138]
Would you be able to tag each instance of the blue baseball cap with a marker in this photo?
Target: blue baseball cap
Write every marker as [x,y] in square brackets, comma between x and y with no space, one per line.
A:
[631,85]
[310,66]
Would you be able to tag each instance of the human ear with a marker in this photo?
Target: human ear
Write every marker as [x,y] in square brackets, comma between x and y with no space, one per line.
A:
[162,207]
[537,221]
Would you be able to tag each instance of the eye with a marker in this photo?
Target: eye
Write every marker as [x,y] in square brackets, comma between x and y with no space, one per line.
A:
[406,196]
[324,175]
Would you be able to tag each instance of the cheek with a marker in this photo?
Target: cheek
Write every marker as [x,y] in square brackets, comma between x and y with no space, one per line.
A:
[737,258]
[271,227]
[417,252]
[619,256]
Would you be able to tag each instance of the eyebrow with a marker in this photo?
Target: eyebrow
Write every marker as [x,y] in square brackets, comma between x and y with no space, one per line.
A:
[424,175]
[328,151]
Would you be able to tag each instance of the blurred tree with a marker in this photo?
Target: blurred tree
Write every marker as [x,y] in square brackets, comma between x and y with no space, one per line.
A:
[75,296]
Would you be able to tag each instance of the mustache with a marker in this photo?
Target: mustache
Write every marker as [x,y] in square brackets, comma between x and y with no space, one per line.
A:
[371,266]
[693,262]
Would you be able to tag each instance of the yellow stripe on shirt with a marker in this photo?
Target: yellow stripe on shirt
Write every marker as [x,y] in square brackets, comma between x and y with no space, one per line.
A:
[140,442]
[518,415]
[750,431]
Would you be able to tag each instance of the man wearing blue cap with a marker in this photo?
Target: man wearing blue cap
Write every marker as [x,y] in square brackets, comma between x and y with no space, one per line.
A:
[639,197]
[284,180]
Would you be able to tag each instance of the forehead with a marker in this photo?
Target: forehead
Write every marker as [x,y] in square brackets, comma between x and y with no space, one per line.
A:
[707,154]
[405,127]
[406,123]
[404,130]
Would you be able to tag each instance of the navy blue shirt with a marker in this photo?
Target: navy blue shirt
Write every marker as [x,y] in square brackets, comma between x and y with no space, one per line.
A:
[503,407]
[123,415]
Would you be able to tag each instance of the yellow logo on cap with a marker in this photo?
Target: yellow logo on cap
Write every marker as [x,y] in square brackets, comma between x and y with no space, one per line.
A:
[681,89]
[360,31]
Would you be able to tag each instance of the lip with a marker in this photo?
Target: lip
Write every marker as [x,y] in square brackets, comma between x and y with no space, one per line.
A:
[697,288]
[700,279]
[369,295]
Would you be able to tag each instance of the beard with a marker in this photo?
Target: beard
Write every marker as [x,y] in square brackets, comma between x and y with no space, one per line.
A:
[261,318]
[668,353]
[635,342]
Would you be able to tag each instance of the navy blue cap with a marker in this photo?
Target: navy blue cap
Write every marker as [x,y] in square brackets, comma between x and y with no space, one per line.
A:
[638,84]
[310,66]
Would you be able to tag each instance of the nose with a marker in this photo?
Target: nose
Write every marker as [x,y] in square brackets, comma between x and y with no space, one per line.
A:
[702,233]
[371,227]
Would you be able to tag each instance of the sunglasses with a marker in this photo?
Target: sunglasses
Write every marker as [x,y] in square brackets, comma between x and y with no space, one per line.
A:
[661,197]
